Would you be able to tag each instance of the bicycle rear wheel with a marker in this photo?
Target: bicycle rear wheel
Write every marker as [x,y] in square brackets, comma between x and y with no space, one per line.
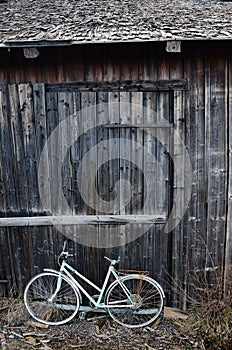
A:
[48,304]
[146,296]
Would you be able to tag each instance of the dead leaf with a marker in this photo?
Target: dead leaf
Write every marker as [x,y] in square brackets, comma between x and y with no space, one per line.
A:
[37,324]
[31,340]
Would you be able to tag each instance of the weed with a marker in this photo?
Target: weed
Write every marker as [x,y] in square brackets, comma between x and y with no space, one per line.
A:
[209,305]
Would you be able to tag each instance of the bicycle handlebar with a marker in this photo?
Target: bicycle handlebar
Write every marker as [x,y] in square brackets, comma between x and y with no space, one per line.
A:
[113,261]
[65,254]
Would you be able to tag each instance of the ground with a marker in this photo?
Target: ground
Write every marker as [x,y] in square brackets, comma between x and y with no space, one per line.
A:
[19,331]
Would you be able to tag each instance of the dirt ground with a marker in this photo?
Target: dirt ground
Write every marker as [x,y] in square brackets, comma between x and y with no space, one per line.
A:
[19,331]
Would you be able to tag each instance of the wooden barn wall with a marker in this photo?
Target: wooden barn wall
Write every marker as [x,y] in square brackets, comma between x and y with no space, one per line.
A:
[203,118]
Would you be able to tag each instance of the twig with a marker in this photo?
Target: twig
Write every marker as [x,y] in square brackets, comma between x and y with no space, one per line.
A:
[17,335]
[4,308]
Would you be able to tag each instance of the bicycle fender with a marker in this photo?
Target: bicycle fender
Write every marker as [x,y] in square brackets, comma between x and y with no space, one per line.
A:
[52,270]
[153,281]
[135,275]
[158,286]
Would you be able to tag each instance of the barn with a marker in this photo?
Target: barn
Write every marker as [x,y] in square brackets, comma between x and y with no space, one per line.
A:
[115,131]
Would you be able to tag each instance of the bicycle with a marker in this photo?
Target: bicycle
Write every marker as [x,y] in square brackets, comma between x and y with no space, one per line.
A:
[133,299]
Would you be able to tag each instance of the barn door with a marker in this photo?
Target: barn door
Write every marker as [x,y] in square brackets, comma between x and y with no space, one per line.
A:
[116,168]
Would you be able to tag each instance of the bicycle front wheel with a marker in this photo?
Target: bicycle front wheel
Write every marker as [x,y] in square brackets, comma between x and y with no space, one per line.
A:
[134,301]
[50,299]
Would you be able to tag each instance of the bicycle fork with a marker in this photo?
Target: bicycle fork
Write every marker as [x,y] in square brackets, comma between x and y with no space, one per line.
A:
[59,281]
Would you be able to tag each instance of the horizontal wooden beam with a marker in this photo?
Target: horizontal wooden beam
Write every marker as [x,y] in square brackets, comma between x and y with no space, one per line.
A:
[63,220]
[125,85]
[143,126]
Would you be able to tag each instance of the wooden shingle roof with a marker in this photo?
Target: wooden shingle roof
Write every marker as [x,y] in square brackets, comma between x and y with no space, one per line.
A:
[81,21]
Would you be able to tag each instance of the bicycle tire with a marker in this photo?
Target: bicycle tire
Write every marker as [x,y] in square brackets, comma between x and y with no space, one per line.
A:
[59,311]
[145,292]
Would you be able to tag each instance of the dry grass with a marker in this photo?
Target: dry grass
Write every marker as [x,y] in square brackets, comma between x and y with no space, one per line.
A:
[211,315]
[209,305]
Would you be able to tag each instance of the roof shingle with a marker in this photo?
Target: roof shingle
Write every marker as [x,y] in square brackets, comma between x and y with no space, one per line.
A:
[31,21]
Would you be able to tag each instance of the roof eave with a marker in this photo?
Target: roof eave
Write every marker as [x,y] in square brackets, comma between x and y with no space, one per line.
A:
[49,43]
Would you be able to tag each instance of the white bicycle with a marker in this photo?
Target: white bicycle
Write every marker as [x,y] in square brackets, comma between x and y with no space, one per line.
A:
[54,297]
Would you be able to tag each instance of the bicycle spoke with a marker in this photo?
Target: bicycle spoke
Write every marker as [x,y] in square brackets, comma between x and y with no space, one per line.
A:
[49,304]
[145,296]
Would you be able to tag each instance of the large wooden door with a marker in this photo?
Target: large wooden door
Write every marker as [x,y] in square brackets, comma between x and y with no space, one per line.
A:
[109,155]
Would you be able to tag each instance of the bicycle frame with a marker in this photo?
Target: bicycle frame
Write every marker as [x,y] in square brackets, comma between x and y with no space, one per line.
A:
[65,268]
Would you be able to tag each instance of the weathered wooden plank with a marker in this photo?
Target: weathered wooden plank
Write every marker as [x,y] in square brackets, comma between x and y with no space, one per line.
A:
[65,116]
[81,219]
[51,198]
[228,238]
[2,165]
[76,134]
[104,195]
[179,189]
[6,145]
[137,125]
[28,125]
[138,171]
[6,263]
[86,173]
[89,67]
[163,68]
[3,259]
[149,193]
[221,113]
[2,197]
[118,233]
[19,157]
[138,176]
[164,108]
[215,162]
[122,85]
[41,135]
[124,152]
[196,124]
[88,156]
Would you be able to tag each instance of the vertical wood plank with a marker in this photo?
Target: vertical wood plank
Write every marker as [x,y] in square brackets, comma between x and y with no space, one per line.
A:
[28,123]
[105,234]
[228,241]
[19,155]
[41,135]
[178,189]
[216,163]
[7,161]
[76,153]
[138,180]
[65,112]
[52,123]
[119,237]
